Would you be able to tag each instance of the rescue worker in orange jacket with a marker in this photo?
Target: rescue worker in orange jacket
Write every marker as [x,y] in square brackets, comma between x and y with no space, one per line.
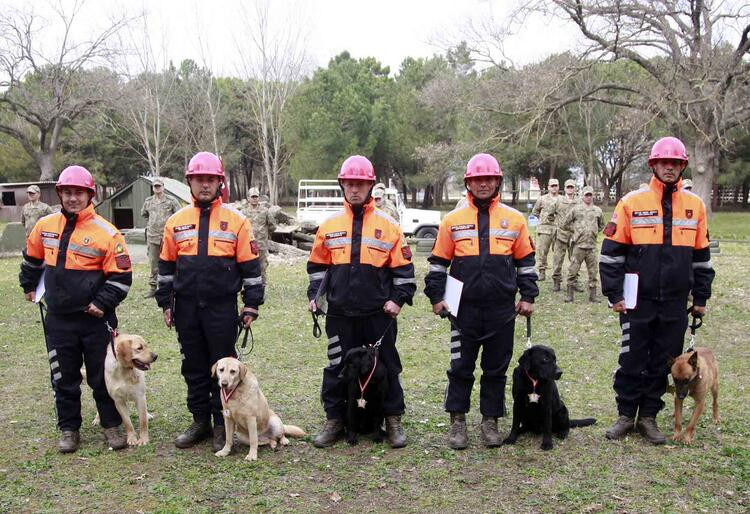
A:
[208,254]
[87,273]
[487,246]
[363,264]
[660,234]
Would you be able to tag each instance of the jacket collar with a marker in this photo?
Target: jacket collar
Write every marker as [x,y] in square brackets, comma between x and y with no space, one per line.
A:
[215,203]
[657,186]
[84,214]
[493,203]
[367,207]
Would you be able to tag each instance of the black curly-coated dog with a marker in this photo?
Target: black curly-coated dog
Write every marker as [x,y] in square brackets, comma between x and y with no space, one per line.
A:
[366,385]
[537,406]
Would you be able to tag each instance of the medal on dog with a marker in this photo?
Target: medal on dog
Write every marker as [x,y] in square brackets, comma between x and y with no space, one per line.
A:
[226,413]
[533,398]
[361,402]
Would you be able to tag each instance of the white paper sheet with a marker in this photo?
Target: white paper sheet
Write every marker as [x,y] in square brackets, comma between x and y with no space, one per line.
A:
[630,290]
[40,290]
[452,296]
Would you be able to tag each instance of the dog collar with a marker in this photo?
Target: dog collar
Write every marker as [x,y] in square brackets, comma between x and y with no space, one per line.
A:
[533,396]
[361,402]
[226,396]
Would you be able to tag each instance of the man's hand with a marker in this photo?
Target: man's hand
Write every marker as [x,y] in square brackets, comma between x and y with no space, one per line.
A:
[391,308]
[524,308]
[29,296]
[699,311]
[168,321]
[313,306]
[619,306]
[93,310]
[248,316]
[439,307]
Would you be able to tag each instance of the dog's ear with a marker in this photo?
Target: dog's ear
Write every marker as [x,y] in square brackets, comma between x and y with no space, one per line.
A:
[693,360]
[525,361]
[670,362]
[345,371]
[124,349]
[213,369]
[243,370]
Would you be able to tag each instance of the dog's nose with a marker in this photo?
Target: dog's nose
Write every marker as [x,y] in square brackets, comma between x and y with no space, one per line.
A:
[154,357]
[681,396]
[558,373]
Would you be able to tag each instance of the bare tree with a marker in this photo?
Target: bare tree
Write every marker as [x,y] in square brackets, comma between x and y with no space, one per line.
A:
[46,91]
[273,63]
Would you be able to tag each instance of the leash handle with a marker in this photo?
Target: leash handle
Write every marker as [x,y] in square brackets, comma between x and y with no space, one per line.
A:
[528,332]
[316,330]
[241,353]
[696,323]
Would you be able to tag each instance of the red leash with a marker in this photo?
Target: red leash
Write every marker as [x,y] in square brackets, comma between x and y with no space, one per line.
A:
[361,402]
[533,397]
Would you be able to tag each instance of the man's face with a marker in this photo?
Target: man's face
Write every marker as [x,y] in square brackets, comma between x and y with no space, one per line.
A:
[355,191]
[158,189]
[482,187]
[33,197]
[588,198]
[570,191]
[378,200]
[205,187]
[254,200]
[669,170]
[554,189]
[74,199]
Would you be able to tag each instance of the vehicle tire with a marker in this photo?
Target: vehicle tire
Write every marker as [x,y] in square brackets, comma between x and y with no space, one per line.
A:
[427,233]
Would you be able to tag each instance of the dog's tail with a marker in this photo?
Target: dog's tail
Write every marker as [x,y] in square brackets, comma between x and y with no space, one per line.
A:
[575,423]
[293,431]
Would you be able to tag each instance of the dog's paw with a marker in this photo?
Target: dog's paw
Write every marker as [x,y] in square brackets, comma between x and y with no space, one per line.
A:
[149,416]
[223,452]
[283,441]
[687,438]
[251,457]
[132,439]
[95,421]
[677,436]
[717,420]
[546,445]
[273,444]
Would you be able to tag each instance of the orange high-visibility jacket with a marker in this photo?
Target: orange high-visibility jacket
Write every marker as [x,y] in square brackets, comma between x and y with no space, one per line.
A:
[489,250]
[366,259]
[86,258]
[209,252]
[663,236]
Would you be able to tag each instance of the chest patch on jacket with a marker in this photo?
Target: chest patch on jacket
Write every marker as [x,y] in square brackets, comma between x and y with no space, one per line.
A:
[183,228]
[645,214]
[223,226]
[467,226]
[51,235]
[688,213]
[336,235]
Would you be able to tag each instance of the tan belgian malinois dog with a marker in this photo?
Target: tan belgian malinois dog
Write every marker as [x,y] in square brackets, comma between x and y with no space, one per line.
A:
[695,373]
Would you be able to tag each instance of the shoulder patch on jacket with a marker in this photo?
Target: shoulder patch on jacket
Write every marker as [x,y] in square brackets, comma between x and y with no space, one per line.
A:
[610,229]
[122,261]
[254,247]
[406,252]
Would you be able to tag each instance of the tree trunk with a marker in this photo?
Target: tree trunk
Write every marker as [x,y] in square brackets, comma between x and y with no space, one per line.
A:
[704,166]
[427,199]
[44,161]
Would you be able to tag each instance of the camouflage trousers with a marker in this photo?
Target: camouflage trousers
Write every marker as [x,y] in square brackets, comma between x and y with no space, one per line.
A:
[153,261]
[543,246]
[561,248]
[581,255]
[263,259]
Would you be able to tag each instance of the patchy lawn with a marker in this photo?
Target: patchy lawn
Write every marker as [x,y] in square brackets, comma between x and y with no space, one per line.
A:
[584,473]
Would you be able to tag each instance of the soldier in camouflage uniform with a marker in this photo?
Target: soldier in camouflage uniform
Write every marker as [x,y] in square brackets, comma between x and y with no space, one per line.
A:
[263,224]
[33,210]
[157,209]
[562,237]
[544,209]
[585,221]
[383,203]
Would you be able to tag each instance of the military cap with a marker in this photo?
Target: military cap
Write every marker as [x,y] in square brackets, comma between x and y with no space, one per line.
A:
[253,191]
[553,182]
[158,181]
[570,182]
[687,184]
[33,189]
[378,193]
[587,190]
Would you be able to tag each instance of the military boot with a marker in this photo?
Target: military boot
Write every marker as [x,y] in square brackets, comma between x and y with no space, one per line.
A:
[541,275]
[555,284]
[490,436]
[194,434]
[648,429]
[69,441]
[569,296]
[219,438]
[593,298]
[331,432]
[620,429]
[395,431]
[458,439]
[115,438]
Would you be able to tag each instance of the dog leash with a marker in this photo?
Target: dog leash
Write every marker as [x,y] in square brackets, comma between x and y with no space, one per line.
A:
[241,353]
[112,335]
[317,331]
[528,333]
[377,343]
[697,322]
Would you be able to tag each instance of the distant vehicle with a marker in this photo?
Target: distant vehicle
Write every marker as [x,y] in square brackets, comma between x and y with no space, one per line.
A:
[318,199]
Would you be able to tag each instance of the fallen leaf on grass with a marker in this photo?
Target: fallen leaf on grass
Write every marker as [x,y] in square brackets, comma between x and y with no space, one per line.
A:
[335,497]
[294,495]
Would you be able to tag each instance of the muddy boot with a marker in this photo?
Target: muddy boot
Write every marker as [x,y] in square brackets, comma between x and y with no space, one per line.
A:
[219,438]
[115,438]
[490,436]
[194,434]
[648,429]
[150,294]
[620,429]
[395,431]
[555,284]
[569,296]
[69,441]
[331,432]
[458,439]
[593,298]
[541,275]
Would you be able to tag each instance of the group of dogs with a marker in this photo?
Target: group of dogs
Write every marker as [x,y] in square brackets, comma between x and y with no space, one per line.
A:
[537,406]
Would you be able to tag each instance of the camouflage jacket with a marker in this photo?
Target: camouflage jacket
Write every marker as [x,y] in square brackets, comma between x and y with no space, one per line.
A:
[585,222]
[390,209]
[563,207]
[545,209]
[262,221]
[158,211]
[32,213]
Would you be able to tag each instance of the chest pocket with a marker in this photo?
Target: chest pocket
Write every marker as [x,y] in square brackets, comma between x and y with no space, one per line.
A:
[85,257]
[502,240]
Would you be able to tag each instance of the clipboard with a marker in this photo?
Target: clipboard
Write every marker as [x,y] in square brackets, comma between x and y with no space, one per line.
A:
[630,290]
[452,296]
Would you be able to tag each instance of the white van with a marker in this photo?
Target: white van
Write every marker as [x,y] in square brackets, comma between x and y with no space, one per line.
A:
[318,199]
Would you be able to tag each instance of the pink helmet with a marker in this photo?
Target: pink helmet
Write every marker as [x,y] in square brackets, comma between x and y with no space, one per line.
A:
[357,167]
[668,148]
[76,176]
[205,163]
[483,165]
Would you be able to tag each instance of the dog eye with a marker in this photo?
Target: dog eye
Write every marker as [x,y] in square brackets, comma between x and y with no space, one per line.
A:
[231,372]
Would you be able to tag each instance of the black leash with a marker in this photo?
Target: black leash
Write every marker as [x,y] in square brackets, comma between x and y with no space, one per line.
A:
[241,353]
[112,335]
[528,332]
[696,323]
[317,331]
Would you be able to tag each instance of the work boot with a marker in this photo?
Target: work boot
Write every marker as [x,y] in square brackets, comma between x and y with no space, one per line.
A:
[648,429]
[593,298]
[541,275]
[69,441]
[578,287]
[555,284]
[569,296]
[620,429]
[490,436]
[458,438]
[195,433]
[220,438]
[150,293]
[331,432]
[115,438]
[395,431]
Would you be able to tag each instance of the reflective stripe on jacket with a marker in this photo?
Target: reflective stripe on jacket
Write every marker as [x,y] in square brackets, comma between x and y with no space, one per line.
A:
[489,250]
[86,258]
[660,233]
[367,261]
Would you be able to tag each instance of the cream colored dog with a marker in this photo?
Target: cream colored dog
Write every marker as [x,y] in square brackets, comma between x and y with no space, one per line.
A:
[246,410]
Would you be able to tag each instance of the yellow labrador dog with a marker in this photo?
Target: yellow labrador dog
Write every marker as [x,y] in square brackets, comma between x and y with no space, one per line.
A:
[125,377]
[246,410]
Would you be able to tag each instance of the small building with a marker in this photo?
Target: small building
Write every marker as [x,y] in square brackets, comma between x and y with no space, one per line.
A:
[13,197]
[123,208]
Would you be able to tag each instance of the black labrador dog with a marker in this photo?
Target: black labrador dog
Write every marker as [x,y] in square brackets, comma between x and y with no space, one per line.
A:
[366,385]
[537,406]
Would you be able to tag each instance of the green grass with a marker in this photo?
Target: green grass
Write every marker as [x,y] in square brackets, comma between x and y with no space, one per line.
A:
[583,473]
